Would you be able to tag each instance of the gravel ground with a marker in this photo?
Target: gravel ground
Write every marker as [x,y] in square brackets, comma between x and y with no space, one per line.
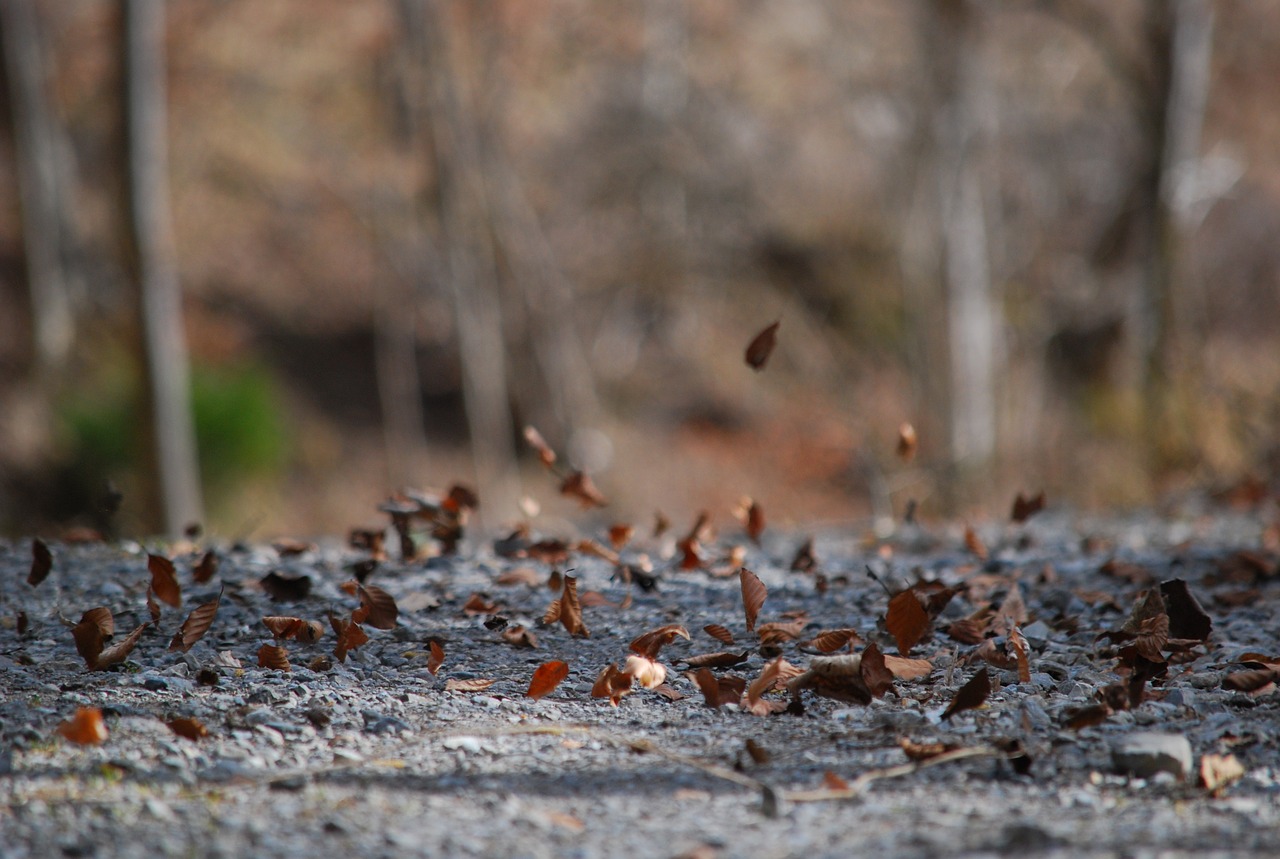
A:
[373,757]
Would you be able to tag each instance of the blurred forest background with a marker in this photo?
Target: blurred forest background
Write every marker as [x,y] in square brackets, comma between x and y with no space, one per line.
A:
[367,241]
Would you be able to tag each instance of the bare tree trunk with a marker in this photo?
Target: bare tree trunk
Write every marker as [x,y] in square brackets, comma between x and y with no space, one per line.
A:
[1179,37]
[41,187]
[155,273]
[470,259]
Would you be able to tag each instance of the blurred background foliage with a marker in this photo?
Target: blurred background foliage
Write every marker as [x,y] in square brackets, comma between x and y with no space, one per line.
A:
[1042,231]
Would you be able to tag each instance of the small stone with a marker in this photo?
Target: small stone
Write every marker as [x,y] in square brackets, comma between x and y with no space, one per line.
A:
[1145,753]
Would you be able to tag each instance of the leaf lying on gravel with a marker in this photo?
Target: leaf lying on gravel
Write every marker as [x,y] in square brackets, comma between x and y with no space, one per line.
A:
[612,683]
[718,691]
[753,700]
[195,626]
[724,659]
[479,604]
[908,669]
[188,728]
[436,657]
[778,632]
[833,639]
[546,677]
[471,684]
[1219,771]
[85,728]
[382,611]
[90,636]
[273,656]
[856,678]
[519,636]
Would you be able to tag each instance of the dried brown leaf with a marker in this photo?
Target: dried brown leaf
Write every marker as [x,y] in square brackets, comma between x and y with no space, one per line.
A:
[571,609]
[1219,771]
[654,640]
[578,484]
[923,751]
[719,633]
[648,673]
[906,620]
[971,695]
[834,639]
[725,659]
[273,656]
[620,535]
[908,669]
[761,346]
[519,636]
[1021,652]
[283,627]
[611,683]
[383,612]
[195,626]
[752,700]
[118,652]
[753,596]
[777,632]
[718,691]
[188,728]
[85,728]
[41,562]
[436,659]
[164,580]
[479,604]
[474,684]
[974,544]
[1024,507]
[207,568]
[547,677]
[876,675]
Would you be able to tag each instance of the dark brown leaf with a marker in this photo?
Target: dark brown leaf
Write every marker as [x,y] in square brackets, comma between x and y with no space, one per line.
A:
[286,588]
[611,683]
[974,544]
[381,605]
[836,677]
[89,639]
[834,639]
[578,484]
[546,677]
[436,659]
[188,728]
[753,596]
[1250,680]
[971,695]
[752,515]
[195,626]
[804,561]
[519,636]
[283,627]
[1187,618]
[349,633]
[117,652]
[719,633]
[876,676]
[310,632]
[164,580]
[479,604]
[206,569]
[906,620]
[620,535]
[1024,507]
[725,659]
[41,562]
[655,639]
[761,347]
[153,607]
[273,656]
[718,691]
[571,610]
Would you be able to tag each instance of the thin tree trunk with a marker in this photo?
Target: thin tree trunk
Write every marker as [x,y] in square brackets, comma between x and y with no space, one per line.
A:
[155,273]
[470,260]
[39,148]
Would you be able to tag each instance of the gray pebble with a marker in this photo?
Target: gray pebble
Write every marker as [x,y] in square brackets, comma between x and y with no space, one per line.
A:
[1145,753]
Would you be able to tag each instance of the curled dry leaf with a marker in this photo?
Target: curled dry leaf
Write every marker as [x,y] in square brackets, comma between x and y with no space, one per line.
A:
[41,562]
[719,633]
[207,568]
[310,632]
[164,580]
[1021,652]
[350,635]
[520,636]
[761,346]
[188,728]
[908,442]
[577,484]
[85,728]
[474,684]
[751,514]
[649,674]
[753,701]
[834,639]
[876,675]
[611,683]
[535,440]
[273,656]
[718,691]
[655,639]
[383,612]
[753,596]
[436,659]
[571,609]
[725,659]
[102,619]
[906,620]
[119,651]
[195,626]
[778,632]
[908,669]
[153,607]
[547,677]
[804,561]
[971,695]
[283,627]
